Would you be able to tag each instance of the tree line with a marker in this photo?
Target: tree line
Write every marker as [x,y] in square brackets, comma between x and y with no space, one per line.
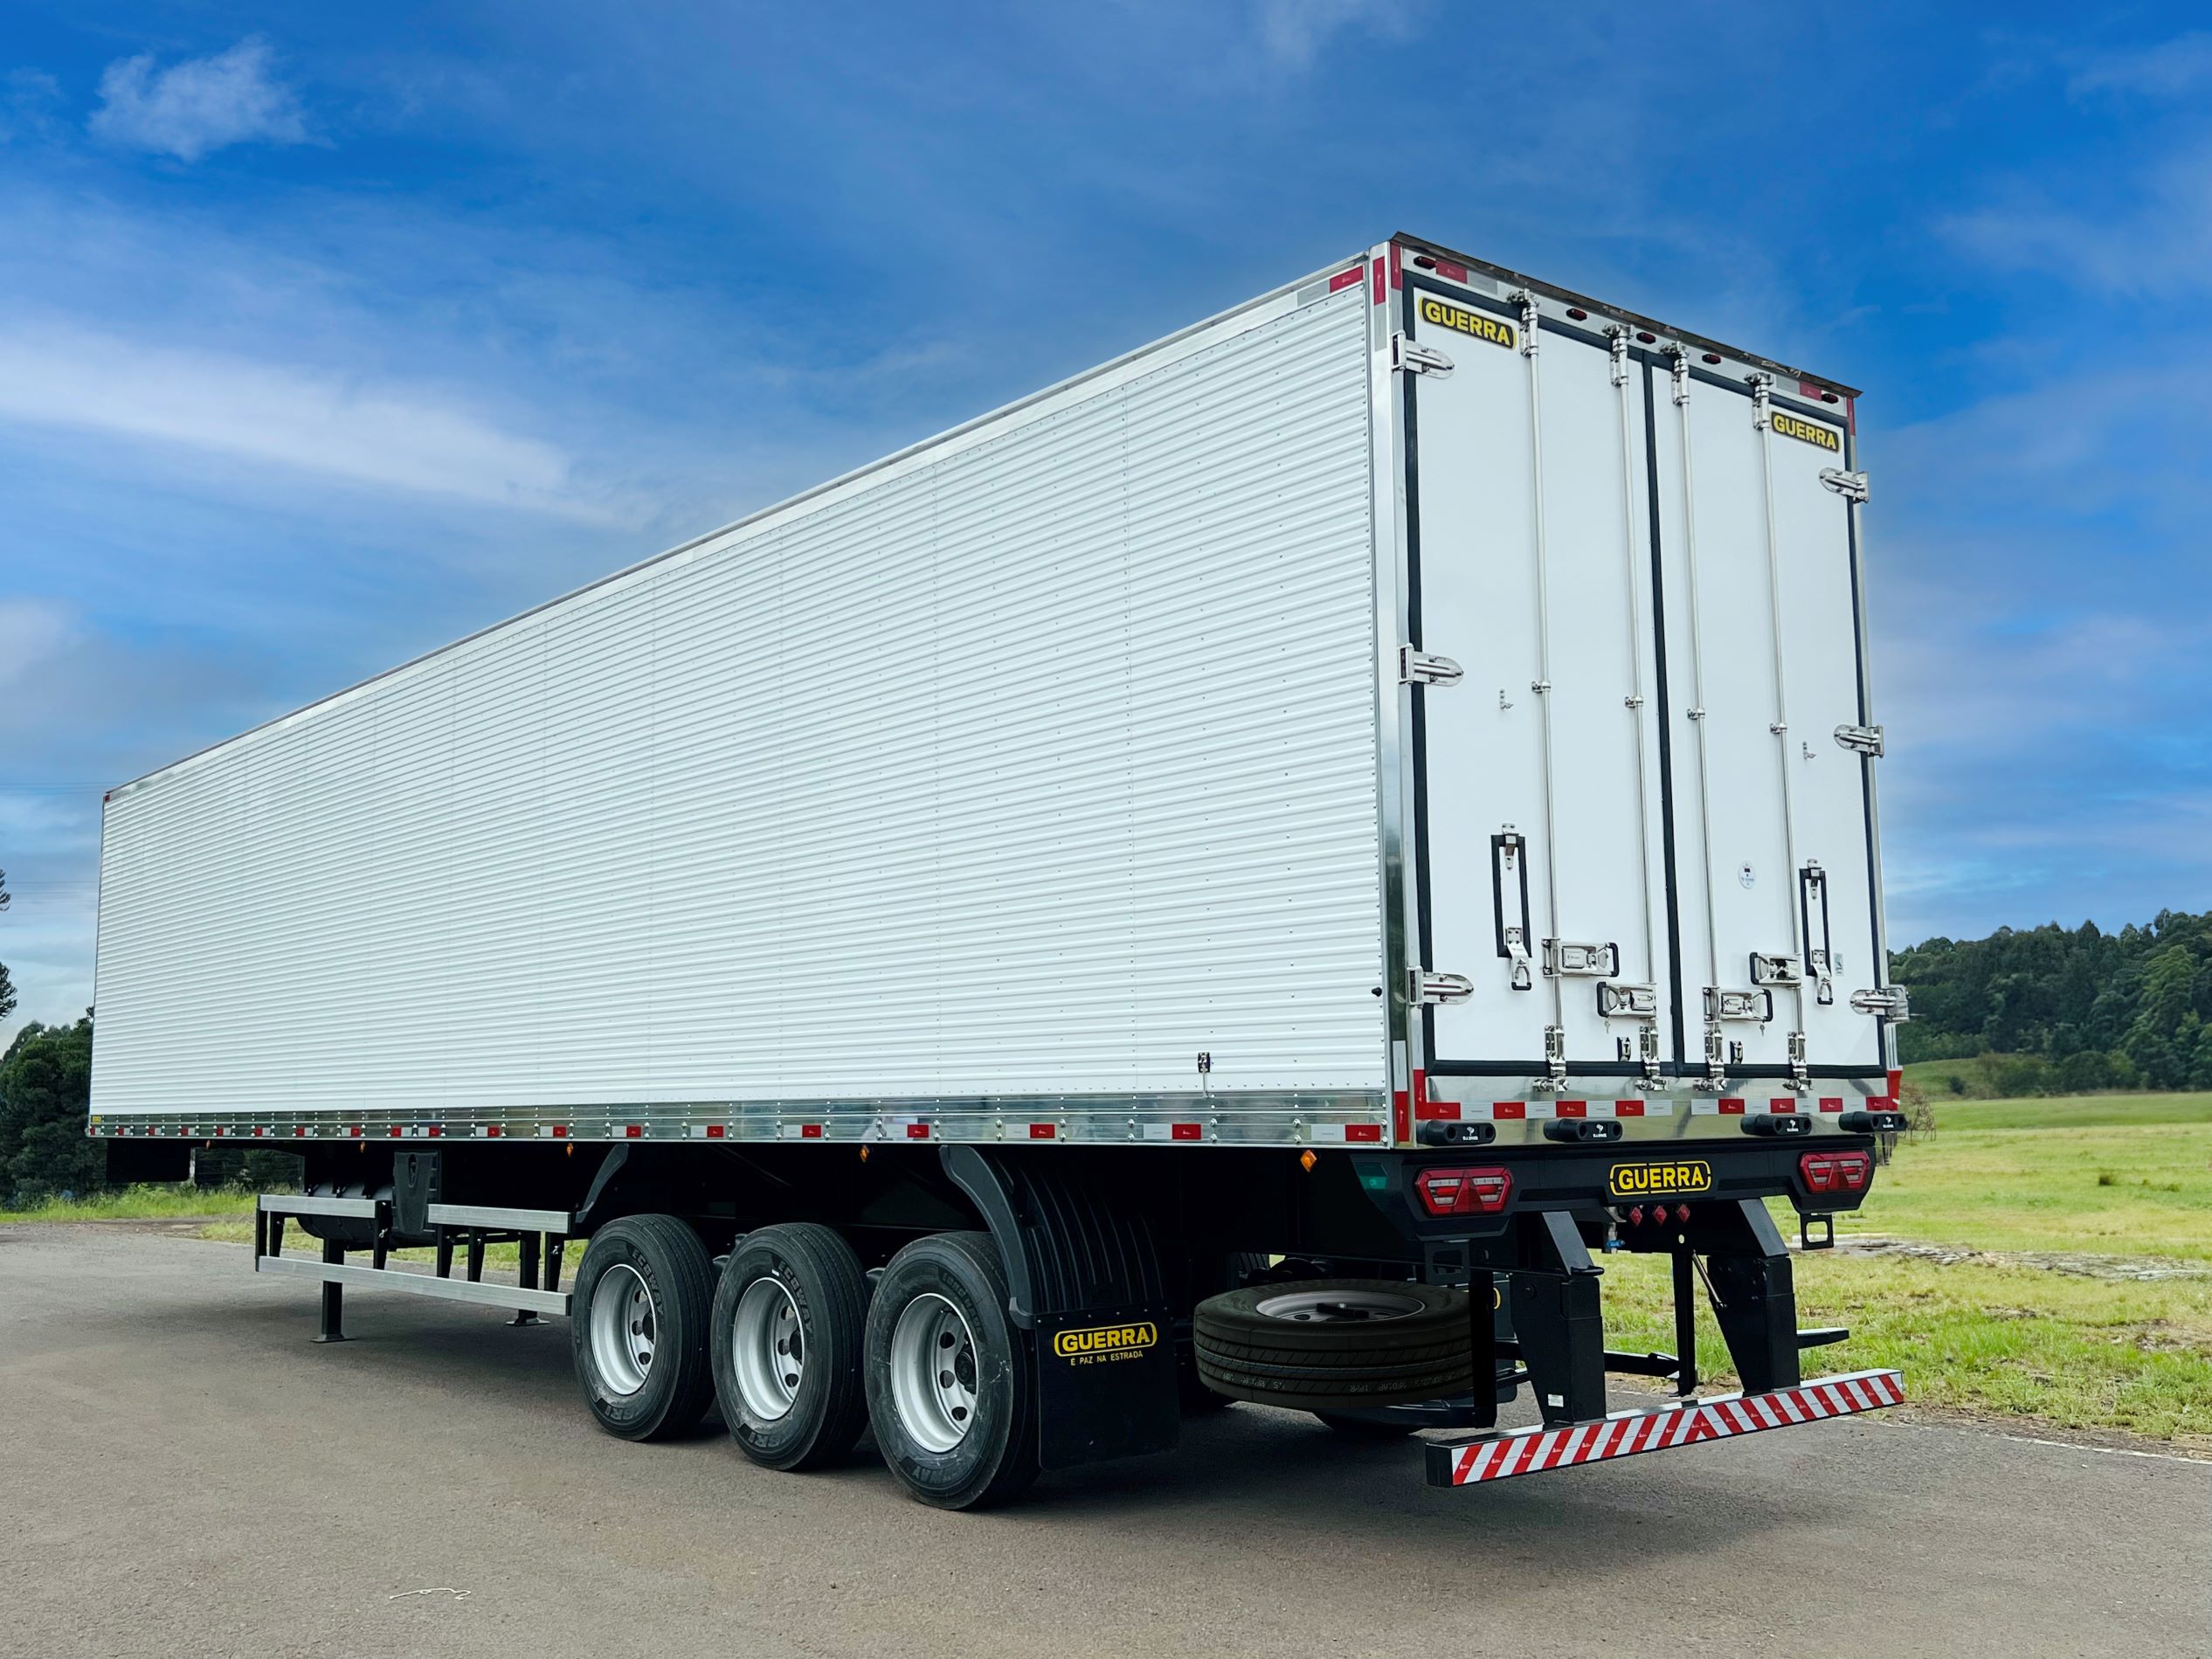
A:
[2097,1010]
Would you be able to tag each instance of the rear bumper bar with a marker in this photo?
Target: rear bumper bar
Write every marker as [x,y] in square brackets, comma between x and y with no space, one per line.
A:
[1531,1451]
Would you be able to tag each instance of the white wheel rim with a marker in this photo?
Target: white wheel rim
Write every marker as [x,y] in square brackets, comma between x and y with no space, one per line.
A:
[623,1329]
[1340,1307]
[767,1349]
[933,1373]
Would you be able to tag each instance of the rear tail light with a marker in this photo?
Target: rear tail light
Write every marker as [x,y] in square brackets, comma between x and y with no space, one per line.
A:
[1460,1192]
[1835,1172]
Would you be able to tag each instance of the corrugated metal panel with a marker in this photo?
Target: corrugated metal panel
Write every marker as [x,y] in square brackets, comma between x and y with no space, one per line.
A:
[1036,766]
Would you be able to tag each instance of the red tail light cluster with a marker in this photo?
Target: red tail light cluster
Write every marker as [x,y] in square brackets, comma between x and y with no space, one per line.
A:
[1464,1192]
[1835,1172]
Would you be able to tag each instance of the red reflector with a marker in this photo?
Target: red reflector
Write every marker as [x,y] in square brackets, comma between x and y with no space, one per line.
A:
[918,1131]
[299,1129]
[1041,1131]
[1574,1109]
[1635,1216]
[633,1131]
[1185,1133]
[1782,1105]
[494,1131]
[355,1131]
[717,1132]
[809,1131]
[1806,389]
[1462,1191]
[1449,268]
[1397,270]
[433,1131]
[1732,1108]
[1831,1103]
[1627,1109]
[1509,1108]
[395,1132]
[1380,296]
[1342,281]
[1659,1214]
[1363,1132]
[560,1130]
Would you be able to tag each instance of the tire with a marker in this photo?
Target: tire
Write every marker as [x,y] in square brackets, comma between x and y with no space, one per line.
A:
[794,1293]
[1335,1344]
[1223,1273]
[970,1441]
[650,1270]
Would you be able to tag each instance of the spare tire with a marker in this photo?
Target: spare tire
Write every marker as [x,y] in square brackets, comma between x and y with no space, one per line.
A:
[1335,1344]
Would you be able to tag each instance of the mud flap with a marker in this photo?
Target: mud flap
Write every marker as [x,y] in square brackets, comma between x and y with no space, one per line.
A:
[1084,1280]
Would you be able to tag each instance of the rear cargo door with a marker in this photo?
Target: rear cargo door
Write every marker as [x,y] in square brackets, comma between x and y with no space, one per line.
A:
[1771,805]
[1539,812]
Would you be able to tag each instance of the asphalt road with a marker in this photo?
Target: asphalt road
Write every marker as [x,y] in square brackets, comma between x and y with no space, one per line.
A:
[183,1472]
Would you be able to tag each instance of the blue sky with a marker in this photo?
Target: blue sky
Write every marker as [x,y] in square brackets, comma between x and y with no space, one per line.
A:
[330,334]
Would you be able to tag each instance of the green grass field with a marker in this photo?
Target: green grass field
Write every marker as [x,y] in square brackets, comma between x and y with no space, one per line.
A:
[140,1204]
[2060,1201]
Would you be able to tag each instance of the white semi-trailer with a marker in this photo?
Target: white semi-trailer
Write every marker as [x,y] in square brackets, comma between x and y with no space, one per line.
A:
[1148,896]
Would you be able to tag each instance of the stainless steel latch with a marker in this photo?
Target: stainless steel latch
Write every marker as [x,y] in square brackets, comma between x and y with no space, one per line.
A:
[1757,1006]
[1850,485]
[1774,970]
[1865,740]
[1565,959]
[1432,988]
[1893,1002]
[1617,1001]
[1417,359]
[1426,668]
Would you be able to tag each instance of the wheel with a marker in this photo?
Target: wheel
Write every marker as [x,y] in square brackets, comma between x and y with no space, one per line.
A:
[1335,1344]
[638,1327]
[951,1384]
[786,1337]
[1209,1277]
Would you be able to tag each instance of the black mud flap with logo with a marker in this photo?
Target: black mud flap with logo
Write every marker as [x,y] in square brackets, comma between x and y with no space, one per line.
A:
[1105,1385]
[1084,1279]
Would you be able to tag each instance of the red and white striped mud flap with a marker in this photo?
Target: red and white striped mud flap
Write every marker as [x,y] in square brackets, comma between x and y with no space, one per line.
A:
[1532,1450]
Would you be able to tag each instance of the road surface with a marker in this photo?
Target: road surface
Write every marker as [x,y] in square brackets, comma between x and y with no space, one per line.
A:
[183,1472]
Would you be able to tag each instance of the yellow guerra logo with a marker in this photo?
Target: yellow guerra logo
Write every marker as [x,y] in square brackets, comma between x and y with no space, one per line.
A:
[1445,315]
[1806,432]
[1106,1342]
[1662,1177]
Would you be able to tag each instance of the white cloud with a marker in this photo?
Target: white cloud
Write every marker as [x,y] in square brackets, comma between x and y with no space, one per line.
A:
[1294,31]
[2145,238]
[389,436]
[199,106]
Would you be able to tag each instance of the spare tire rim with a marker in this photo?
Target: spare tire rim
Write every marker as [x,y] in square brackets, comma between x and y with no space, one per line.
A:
[767,1349]
[622,1328]
[1346,1306]
[933,1372]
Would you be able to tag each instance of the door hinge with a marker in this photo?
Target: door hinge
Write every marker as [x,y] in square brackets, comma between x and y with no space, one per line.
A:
[1850,485]
[1866,740]
[1892,1003]
[1429,989]
[1425,668]
[1412,359]
[1554,1078]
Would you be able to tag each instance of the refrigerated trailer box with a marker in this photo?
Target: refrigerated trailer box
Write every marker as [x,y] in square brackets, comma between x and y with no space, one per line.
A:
[1422,707]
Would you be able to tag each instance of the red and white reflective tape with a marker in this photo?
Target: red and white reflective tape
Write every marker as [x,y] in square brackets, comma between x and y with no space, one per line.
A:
[1531,1451]
[1174,1131]
[1338,1134]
